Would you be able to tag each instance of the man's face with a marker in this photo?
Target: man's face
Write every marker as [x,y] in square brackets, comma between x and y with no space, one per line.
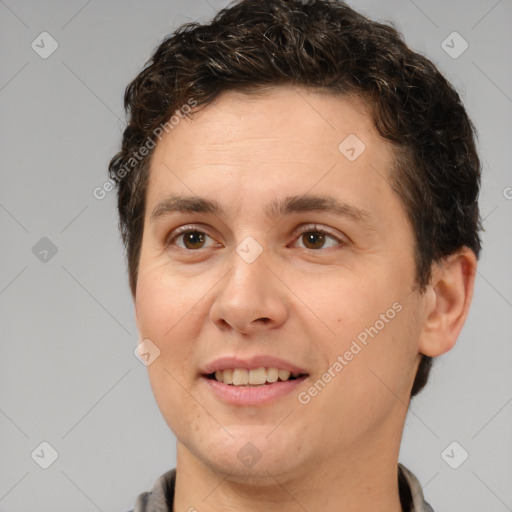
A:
[297,288]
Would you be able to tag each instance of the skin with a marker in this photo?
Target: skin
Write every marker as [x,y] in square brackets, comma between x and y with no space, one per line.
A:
[299,301]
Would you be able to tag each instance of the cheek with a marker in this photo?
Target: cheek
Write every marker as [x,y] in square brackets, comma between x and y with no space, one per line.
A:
[372,330]
[381,372]
[168,315]
[346,306]
[162,302]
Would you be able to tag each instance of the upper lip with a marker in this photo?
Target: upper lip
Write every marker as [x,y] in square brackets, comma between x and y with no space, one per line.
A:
[251,363]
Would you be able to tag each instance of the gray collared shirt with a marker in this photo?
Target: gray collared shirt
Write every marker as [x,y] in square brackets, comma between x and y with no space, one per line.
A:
[161,496]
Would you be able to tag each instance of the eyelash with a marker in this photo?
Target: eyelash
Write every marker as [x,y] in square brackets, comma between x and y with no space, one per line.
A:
[311,228]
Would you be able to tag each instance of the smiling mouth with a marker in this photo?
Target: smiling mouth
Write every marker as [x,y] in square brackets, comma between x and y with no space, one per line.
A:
[253,378]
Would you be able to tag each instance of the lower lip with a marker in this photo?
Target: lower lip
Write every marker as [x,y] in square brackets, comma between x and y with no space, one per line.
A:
[252,395]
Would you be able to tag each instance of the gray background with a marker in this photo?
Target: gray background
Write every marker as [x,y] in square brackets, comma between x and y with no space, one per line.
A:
[68,375]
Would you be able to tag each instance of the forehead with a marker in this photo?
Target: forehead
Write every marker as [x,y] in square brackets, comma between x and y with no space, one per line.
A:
[282,115]
[289,137]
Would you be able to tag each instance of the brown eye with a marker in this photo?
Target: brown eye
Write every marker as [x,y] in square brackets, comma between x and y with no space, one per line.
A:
[193,239]
[313,239]
[190,239]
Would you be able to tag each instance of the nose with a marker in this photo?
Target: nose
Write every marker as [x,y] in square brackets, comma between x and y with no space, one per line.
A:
[250,298]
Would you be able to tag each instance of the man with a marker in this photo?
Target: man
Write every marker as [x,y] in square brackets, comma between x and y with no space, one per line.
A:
[298,196]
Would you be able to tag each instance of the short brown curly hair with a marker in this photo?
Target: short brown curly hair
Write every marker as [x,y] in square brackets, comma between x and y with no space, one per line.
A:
[325,45]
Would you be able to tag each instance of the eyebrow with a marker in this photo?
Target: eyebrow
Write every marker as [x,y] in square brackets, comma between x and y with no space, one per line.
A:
[276,208]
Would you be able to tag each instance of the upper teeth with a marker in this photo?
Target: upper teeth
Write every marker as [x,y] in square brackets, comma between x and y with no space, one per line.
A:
[243,377]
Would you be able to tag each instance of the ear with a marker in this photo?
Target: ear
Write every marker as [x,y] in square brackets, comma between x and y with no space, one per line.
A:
[447,302]
[136,317]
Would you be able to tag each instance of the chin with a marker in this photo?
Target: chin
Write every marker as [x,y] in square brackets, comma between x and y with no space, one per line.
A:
[251,456]
[263,473]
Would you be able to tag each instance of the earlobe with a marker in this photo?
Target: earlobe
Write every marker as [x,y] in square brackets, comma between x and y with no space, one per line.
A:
[447,302]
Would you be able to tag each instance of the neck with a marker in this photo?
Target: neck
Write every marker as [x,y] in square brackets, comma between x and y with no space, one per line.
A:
[365,478]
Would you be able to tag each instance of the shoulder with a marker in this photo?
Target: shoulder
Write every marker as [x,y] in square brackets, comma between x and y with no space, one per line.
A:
[161,496]
[414,490]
